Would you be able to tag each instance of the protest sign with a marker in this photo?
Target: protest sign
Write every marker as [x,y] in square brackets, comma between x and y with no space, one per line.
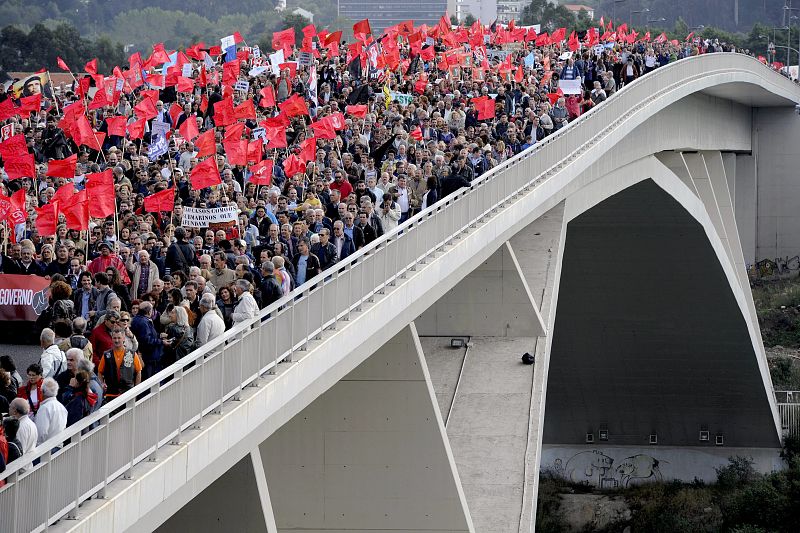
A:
[242,85]
[196,217]
[402,99]
[570,86]
[305,59]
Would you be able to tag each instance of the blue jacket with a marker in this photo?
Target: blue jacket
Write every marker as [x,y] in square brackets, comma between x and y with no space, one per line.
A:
[150,345]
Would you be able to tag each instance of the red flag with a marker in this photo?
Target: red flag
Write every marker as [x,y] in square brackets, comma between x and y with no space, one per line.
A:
[184,85]
[61,64]
[205,174]
[91,66]
[188,129]
[358,111]
[254,151]
[245,110]
[7,109]
[292,166]
[76,210]
[688,37]
[233,132]
[206,144]
[85,135]
[573,42]
[136,129]
[62,168]
[160,201]
[100,190]
[276,136]
[485,107]
[236,151]
[361,29]
[416,134]
[116,126]
[146,109]
[19,166]
[332,38]
[294,105]
[323,129]
[159,55]
[283,39]
[100,100]
[223,112]
[558,35]
[262,172]
[30,104]
[308,149]
[46,219]
[267,97]
[14,145]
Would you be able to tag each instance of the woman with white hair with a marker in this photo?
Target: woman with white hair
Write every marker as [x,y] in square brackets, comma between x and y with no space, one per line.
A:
[178,339]
[51,418]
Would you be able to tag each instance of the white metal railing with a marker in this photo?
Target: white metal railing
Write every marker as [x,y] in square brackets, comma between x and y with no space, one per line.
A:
[132,427]
[789,408]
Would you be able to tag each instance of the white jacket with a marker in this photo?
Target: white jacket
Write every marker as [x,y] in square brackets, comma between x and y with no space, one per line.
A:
[246,308]
[51,419]
[53,361]
[210,326]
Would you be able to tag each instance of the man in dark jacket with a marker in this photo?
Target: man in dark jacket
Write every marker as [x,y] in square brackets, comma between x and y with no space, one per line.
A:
[461,176]
[180,254]
[270,287]
[325,250]
[150,345]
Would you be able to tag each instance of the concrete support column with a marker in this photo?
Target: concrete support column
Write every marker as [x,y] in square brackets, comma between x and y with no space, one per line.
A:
[369,454]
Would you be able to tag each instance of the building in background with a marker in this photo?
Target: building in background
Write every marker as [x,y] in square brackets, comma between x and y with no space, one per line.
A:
[577,8]
[485,10]
[385,13]
[508,10]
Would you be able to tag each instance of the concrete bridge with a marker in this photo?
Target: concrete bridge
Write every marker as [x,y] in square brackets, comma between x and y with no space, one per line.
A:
[614,251]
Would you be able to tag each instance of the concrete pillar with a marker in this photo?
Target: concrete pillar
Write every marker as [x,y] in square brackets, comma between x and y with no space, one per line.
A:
[369,454]
[746,205]
[777,169]
[231,503]
[494,301]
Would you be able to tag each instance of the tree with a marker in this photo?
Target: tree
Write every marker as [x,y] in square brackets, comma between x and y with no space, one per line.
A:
[549,16]
[469,20]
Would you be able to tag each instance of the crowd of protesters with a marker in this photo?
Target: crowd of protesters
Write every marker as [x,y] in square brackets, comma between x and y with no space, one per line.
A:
[359,137]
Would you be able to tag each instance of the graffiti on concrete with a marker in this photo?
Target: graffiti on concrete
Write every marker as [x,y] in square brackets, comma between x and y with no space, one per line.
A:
[595,468]
[771,268]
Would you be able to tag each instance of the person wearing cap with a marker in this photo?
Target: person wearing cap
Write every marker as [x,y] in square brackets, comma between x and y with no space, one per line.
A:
[108,259]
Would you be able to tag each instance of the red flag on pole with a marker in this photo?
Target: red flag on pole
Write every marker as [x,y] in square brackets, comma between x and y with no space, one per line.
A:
[19,166]
[254,151]
[46,219]
[267,97]
[160,201]
[62,168]
[91,66]
[357,111]
[136,129]
[76,211]
[188,129]
[236,151]
[262,172]
[361,29]
[61,64]
[30,104]
[223,112]
[294,106]
[116,126]
[205,174]
[100,189]
[308,149]
[206,144]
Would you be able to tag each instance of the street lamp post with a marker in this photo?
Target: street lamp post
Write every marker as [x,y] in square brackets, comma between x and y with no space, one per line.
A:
[787,10]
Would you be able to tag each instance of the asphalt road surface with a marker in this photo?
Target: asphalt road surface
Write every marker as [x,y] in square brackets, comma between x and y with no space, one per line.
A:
[23,355]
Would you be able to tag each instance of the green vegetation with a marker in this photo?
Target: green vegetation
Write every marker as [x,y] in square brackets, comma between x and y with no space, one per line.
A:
[740,501]
[778,307]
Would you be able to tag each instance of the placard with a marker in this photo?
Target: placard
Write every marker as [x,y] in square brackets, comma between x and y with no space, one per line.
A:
[570,86]
[305,59]
[242,85]
[196,217]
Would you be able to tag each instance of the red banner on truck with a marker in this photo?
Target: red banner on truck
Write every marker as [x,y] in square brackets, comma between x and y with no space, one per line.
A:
[23,297]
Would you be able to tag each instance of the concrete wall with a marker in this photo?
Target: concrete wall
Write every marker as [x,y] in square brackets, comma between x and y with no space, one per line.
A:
[494,300]
[619,466]
[746,202]
[776,134]
[369,454]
